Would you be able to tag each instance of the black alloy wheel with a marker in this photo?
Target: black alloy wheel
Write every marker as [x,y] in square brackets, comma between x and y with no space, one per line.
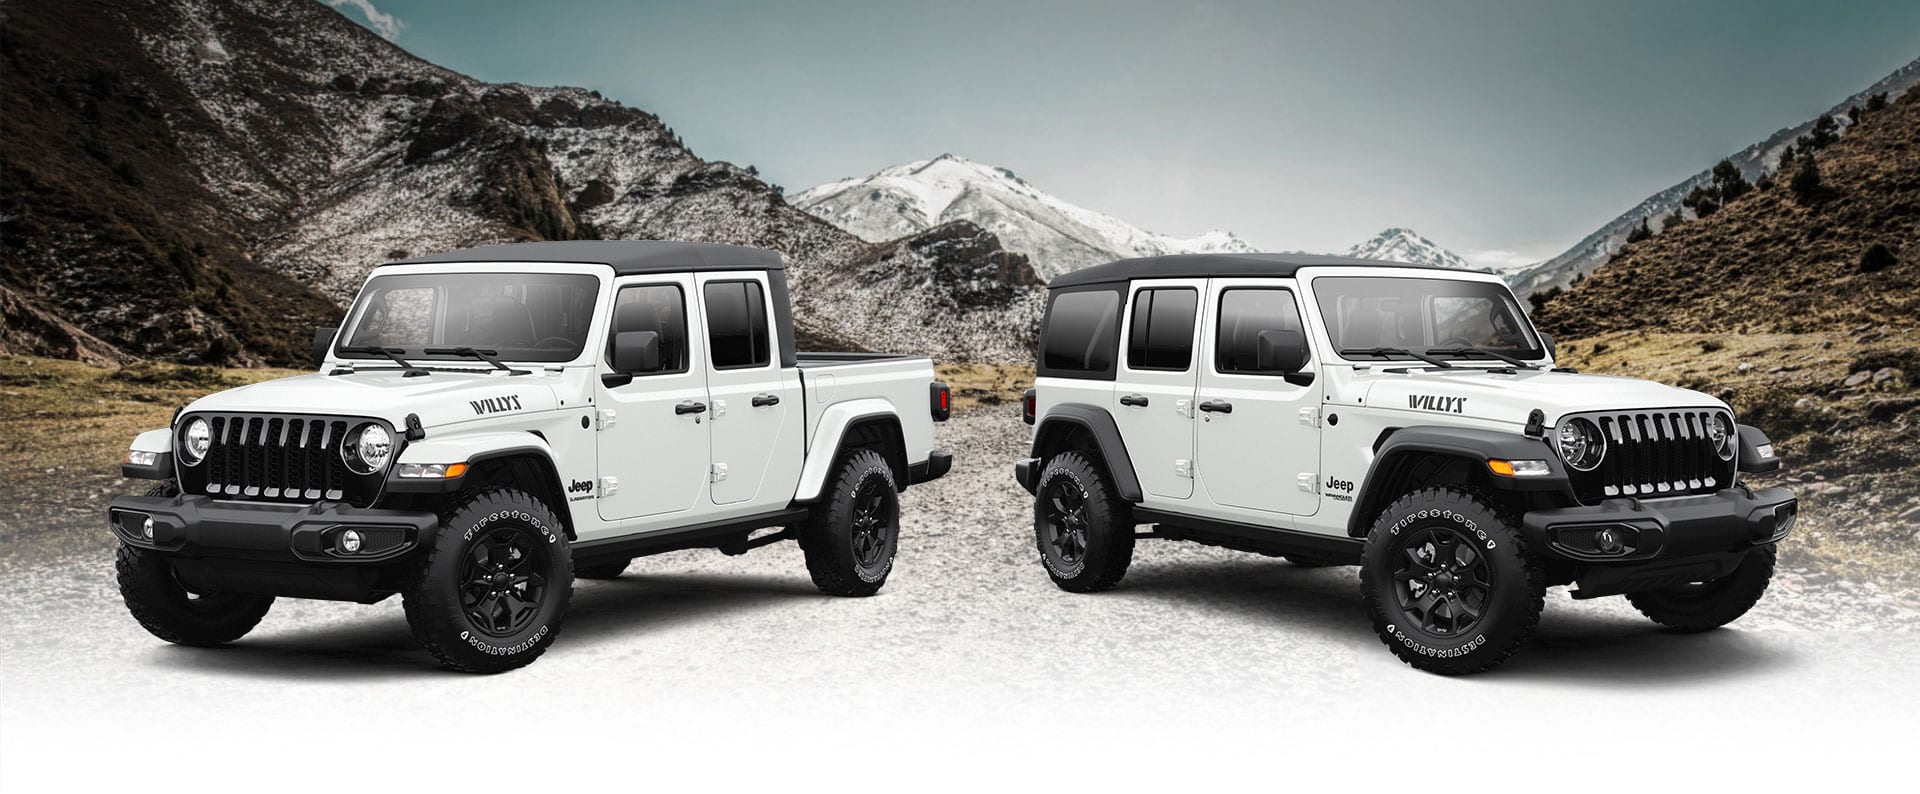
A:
[1442,582]
[500,582]
[873,521]
[1065,510]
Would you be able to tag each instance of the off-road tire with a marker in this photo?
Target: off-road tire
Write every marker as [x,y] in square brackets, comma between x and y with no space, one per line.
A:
[506,520]
[1307,562]
[1511,592]
[1104,524]
[166,609]
[601,569]
[863,490]
[1709,605]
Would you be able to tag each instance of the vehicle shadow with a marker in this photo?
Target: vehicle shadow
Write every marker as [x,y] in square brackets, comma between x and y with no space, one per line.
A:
[1571,645]
[379,645]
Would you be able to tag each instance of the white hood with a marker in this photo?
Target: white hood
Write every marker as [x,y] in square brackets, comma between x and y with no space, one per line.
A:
[1476,392]
[440,398]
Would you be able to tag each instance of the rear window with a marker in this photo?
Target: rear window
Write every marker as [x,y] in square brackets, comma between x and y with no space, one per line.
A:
[1160,336]
[737,325]
[1082,334]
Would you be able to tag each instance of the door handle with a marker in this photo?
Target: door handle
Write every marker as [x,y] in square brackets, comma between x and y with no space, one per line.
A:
[765,400]
[1217,407]
[690,407]
[1135,400]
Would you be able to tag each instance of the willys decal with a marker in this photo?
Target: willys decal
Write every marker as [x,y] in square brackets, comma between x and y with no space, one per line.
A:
[1429,402]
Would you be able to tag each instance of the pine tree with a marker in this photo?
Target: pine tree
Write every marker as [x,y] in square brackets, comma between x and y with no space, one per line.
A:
[1806,181]
[1639,233]
[1728,182]
[1877,102]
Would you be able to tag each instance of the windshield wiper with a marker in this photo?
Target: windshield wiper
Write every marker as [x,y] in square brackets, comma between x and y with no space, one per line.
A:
[1479,351]
[391,354]
[1384,352]
[470,352]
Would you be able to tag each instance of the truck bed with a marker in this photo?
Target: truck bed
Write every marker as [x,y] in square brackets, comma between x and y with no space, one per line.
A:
[805,360]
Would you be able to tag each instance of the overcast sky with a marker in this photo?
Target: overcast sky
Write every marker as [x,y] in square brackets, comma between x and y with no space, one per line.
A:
[1499,129]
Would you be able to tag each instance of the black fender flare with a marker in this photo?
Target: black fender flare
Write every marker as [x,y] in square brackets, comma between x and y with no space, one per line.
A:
[1751,461]
[1474,445]
[542,460]
[1106,436]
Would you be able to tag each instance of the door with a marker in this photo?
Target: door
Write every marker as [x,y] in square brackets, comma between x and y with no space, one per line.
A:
[756,439]
[653,436]
[1153,396]
[1258,435]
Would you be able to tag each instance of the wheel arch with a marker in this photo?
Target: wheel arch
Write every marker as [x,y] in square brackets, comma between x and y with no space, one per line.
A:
[522,460]
[1070,426]
[872,423]
[1409,458]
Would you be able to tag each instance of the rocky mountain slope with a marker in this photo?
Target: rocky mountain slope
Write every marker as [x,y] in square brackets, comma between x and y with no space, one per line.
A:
[1799,306]
[1056,235]
[1400,244]
[1595,249]
[208,179]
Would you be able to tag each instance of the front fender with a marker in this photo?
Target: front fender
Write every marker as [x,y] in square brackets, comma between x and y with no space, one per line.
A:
[471,449]
[822,448]
[1474,445]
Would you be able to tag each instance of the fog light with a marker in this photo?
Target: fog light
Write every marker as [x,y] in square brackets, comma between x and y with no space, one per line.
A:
[1607,541]
[350,541]
[146,528]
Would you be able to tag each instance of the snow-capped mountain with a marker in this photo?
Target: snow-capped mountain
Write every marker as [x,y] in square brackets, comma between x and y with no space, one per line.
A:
[1400,244]
[248,161]
[1056,235]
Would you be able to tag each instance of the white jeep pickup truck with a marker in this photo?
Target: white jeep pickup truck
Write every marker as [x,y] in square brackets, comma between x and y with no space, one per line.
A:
[494,422]
[1407,420]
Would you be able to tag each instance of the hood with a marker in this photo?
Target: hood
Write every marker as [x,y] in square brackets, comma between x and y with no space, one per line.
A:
[440,399]
[1479,393]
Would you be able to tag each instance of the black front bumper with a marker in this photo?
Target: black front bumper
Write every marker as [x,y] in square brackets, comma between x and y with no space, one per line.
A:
[1634,544]
[269,549]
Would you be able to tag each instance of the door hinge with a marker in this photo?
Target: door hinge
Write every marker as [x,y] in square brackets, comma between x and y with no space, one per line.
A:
[1184,408]
[718,473]
[719,408]
[1309,482]
[1310,416]
[1183,468]
[609,486]
[605,417]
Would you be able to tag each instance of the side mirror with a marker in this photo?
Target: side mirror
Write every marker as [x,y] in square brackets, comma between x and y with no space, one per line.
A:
[1546,341]
[636,352]
[322,342]
[1281,351]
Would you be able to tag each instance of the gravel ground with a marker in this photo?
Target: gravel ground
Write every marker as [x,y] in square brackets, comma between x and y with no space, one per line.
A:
[969,661]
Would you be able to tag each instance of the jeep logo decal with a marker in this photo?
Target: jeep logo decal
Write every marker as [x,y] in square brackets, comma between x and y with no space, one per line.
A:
[494,405]
[1445,405]
[580,486]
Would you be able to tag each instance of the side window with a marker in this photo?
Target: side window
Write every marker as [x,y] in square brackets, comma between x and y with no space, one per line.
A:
[660,308]
[737,324]
[1161,336]
[1082,334]
[1244,313]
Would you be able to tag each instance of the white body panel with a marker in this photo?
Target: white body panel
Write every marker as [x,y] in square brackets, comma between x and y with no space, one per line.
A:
[1294,457]
[627,462]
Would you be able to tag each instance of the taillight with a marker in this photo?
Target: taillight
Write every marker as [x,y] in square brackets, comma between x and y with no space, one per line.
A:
[940,400]
[1029,406]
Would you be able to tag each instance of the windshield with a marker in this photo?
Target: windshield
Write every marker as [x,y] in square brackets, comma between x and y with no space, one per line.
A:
[519,316]
[1424,314]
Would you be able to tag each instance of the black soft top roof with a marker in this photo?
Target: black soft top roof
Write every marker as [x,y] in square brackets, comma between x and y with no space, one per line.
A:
[1213,266]
[626,257]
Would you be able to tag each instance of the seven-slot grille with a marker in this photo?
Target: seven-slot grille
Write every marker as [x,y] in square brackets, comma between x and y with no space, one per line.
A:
[1655,453]
[278,458]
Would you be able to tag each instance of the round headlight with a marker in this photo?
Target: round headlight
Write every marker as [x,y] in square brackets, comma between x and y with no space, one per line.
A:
[1581,444]
[368,449]
[198,439]
[1720,432]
